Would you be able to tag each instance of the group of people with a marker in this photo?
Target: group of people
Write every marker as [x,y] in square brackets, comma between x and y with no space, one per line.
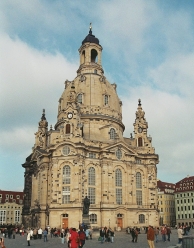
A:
[74,238]
[106,235]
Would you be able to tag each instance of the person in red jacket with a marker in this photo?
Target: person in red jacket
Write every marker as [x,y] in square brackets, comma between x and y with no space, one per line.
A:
[74,238]
[150,236]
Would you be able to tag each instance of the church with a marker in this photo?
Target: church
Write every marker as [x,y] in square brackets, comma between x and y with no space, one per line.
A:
[86,154]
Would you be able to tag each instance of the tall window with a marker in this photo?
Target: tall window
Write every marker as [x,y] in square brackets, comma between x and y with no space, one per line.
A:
[66,174]
[68,128]
[2,216]
[92,195]
[17,216]
[79,98]
[138,180]
[118,184]
[139,197]
[91,176]
[141,218]
[93,218]
[105,99]
[112,133]
[66,195]
[140,141]
[92,182]
[138,188]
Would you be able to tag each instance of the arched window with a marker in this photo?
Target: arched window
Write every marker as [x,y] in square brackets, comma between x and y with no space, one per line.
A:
[83,57]
[112,133]
[68,129]
[140,141]
[66,194]
[106,99]
[118,184]
[93,218]
[91,176]
[79,98]
[141,218]
[138,180]
[94,56]
[66,174]
[139,197]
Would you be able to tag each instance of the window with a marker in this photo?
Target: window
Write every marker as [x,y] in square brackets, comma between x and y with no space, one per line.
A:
[139,197]
[66,174]
[92,195]
[67,129]
[141,218]
[140,142]
[7,196]
[66,195]
[112,133]
[93,218]
[17,197]
[138,180]
[91,176]
[2,216]
[94,56]
[118,153]
[92,155]
[105,99]
[118,178]
[118,196]
[66,150]
[17,216]
[79,98]
[11,196]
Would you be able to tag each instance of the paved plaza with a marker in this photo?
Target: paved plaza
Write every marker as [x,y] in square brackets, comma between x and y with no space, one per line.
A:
[121,240]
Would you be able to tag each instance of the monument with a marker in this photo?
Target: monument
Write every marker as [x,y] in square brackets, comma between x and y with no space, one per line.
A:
[85,215]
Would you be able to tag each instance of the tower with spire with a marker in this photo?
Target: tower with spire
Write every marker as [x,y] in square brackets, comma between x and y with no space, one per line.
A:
[86,154]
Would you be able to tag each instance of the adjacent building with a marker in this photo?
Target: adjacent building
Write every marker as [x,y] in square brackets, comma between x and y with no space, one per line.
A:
[166,203]
[184,201]
[11,203]
[86,154]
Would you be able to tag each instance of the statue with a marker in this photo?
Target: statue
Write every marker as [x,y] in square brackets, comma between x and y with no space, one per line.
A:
[86,205]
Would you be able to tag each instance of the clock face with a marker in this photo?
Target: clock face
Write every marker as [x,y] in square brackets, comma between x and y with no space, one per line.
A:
[69,115]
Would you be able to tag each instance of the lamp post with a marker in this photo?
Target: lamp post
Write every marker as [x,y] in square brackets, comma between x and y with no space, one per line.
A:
[109,222]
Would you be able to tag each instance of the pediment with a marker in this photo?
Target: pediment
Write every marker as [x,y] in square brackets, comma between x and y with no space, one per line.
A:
[121,145]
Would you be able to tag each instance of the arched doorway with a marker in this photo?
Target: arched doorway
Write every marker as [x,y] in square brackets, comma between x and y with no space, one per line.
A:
[64,221]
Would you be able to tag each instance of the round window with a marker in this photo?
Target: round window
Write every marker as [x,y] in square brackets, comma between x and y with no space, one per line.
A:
[119,153]
[66,150]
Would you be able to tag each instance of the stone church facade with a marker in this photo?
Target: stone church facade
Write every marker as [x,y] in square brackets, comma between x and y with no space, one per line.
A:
[85,154]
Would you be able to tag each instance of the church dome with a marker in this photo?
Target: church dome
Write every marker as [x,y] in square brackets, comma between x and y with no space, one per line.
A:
[91,38]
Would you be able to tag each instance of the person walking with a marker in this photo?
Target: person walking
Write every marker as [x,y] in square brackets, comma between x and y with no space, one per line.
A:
[180,234]
[156,231]
[168,232]
[163,232]
[112,234]
[74,238]
[102,234]
[82,237]
[28,237]
[45,235]
[150,237]
[2,244]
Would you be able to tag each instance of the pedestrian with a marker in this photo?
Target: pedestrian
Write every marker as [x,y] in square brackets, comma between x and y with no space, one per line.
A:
[40,233]
[62,236]
[28,237]
[68,234]
[45,235]
[133,234]
[74,238]
[112,234]
[180,234]
[136,234]
[150,237]
[168,232]
[102,234]
[82,237]
[156,230]
[163,232]
[2,244]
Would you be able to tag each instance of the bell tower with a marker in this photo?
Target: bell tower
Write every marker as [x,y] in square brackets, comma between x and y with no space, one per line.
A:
[90,55]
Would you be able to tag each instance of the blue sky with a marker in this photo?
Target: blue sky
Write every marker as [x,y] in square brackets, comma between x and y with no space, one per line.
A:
[148,51]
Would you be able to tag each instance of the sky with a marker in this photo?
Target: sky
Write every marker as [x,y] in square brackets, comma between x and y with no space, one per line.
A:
[148,51]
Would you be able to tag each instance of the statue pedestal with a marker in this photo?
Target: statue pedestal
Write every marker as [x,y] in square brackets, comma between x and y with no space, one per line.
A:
[85,220]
